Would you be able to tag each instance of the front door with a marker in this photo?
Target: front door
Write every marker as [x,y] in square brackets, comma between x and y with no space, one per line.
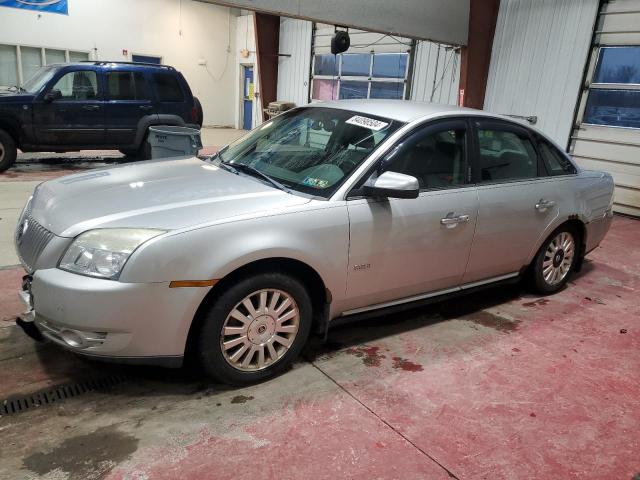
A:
[406,247]
[76,116]
[128,101]
[518,201]
[247,102]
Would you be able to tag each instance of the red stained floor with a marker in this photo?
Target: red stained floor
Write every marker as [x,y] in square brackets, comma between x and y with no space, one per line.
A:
[496,385]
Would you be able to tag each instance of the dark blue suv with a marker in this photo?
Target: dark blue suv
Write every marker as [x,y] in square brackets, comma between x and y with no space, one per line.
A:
[93,105]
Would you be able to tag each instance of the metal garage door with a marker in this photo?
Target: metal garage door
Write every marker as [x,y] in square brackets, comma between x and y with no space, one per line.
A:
[607,131]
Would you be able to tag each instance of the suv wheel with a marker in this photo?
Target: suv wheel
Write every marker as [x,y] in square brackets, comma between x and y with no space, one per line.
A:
[255,329]
[555,260]
[8,151]
[144,152]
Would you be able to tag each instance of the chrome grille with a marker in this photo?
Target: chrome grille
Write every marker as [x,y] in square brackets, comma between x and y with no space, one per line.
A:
[31,241]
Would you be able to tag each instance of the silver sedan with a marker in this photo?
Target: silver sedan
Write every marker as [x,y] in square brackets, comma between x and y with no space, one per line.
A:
[335,210]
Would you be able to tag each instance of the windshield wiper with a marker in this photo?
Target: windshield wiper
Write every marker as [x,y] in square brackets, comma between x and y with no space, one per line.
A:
[256,173]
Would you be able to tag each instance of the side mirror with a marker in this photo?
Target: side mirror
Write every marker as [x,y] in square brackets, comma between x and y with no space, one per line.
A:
[53,94]
[392,185]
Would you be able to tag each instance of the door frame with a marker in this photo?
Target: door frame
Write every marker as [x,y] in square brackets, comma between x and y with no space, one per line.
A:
[244,66]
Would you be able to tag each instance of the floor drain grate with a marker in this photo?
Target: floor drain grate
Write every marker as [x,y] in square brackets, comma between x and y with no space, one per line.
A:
[49,396]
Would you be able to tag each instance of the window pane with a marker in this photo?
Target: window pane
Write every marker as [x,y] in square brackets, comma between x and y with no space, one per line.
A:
[324,89]
[436,159]
[146,59]
[8,66]
[325,65]
[618,108]
[31,61]
[618,65]
[168,88]
[54,56]
[78,56]
[78,86]
[355,65]
[555,162]
[390,65]
[387,90]
[126,86]
[506,156]
[353,89]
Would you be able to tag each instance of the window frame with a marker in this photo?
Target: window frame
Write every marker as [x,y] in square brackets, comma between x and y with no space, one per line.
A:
[426,128]
[497,124]
[604,86]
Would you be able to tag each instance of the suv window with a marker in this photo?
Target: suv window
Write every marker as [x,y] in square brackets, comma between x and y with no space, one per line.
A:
[126,86]
[506,154]
[436,156]
[168,88]
[554,161]
[78,86]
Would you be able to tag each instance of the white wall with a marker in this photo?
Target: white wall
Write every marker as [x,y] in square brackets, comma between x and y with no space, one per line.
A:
[294,71]
[539,53]
[181,32]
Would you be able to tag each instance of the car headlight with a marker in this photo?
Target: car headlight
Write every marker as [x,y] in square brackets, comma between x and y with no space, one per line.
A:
[103,253]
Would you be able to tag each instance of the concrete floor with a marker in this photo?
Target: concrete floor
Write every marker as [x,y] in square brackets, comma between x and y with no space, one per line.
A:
[501,384]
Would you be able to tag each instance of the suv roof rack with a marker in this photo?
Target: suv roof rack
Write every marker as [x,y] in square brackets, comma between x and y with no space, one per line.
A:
[144,64]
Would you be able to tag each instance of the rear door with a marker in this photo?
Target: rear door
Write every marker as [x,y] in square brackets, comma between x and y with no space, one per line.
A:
[76,117]
[173,98]
[128,103]
[518,201]
[401,248]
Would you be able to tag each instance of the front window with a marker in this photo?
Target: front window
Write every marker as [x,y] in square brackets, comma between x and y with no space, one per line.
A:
[311,150]
[78,86]
[39,80]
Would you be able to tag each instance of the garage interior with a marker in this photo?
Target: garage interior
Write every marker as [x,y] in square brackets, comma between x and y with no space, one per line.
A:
[496,384]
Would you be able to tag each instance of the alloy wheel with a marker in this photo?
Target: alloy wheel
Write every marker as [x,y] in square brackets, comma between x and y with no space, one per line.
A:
[558,258]
[259,330]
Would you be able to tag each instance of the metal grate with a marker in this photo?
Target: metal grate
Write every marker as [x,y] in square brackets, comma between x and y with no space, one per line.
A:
[49,396]
[31,239]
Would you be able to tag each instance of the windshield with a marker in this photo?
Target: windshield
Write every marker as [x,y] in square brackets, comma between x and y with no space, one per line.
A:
[38,80]
[310,150]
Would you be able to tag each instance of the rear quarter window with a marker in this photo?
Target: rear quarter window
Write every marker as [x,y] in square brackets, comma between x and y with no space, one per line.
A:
[555,162]
[168,88]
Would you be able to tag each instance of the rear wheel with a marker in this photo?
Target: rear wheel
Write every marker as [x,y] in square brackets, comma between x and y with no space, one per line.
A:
[8,151]
[255,329]
[555,260]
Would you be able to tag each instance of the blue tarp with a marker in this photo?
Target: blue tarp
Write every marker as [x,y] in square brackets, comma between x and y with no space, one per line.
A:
[52,6]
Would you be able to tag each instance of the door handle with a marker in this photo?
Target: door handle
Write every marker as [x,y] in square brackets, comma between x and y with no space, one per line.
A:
[145,107]
[544,204]
[450,219]
[91,108]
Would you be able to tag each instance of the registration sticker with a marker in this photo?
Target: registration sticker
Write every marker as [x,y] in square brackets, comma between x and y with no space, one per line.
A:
[370,123]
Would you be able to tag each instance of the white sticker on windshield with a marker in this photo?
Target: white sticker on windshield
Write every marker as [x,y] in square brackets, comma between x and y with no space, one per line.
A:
[365,122]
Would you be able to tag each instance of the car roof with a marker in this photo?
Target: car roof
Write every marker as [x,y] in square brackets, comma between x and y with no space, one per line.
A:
[114,65]
[401,110]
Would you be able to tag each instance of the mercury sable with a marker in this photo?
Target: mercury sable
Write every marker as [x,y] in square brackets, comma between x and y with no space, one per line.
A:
[330,211]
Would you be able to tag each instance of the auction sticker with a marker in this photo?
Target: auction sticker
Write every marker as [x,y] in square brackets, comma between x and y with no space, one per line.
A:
[366,122]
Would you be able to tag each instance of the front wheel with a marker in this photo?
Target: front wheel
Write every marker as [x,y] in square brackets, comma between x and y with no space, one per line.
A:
[555,260]
[8,151]
[255,329]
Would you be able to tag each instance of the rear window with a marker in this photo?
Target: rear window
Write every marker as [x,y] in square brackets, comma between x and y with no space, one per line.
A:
[126,86]
[554,161]
[168,88]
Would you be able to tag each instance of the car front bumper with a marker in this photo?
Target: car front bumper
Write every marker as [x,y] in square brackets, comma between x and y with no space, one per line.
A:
[144,323]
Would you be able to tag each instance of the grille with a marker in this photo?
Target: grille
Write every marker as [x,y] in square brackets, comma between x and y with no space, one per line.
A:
[32,241]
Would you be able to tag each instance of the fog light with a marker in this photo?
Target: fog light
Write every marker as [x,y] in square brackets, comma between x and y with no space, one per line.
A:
[71,338]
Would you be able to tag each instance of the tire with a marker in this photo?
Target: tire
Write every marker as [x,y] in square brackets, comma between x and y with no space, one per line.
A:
[200,117]
[144,152]
[556,260]
[8,151]
[250,333]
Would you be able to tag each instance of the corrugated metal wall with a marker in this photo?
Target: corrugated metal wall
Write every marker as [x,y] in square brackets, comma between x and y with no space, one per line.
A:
[436,73]
[539,53]
[293,72]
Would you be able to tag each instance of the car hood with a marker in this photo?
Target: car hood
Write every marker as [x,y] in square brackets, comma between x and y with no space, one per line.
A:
[164,194]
